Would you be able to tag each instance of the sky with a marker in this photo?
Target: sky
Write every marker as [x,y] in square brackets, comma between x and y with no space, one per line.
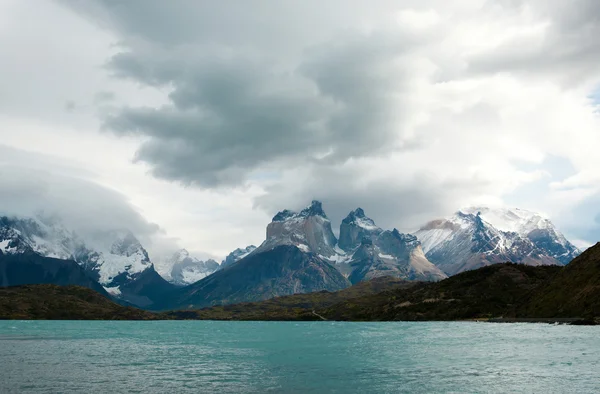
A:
[193,122]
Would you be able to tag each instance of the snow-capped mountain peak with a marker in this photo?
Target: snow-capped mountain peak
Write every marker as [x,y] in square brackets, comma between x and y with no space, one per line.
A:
[515,220]
[477,236]
[119,254]
[181,268]
[237,255]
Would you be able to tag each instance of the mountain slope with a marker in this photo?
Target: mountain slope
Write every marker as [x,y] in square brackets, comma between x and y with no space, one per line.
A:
[468,241]
[493,291]
[30,268]
[282,270]
[51,302]
[573,292]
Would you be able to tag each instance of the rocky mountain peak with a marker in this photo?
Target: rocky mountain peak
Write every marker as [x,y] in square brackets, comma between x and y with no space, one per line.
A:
[354,228]
[126,244]
[310,230]
[314,209]
[237,255]
[284,215]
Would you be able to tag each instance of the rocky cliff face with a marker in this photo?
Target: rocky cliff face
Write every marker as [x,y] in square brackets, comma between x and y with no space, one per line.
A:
[356,227]
[309,230]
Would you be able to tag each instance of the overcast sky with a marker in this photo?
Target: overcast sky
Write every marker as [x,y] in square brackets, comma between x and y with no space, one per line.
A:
[194,122]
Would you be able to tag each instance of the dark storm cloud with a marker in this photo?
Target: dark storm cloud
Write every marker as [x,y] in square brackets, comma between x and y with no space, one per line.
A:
[260,84]
[311,88]
[231,114]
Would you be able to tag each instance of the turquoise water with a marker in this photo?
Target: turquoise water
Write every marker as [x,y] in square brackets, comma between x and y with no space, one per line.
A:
[316,357]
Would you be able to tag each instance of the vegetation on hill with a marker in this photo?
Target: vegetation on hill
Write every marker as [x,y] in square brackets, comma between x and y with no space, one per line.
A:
[492,291]
[293,307]
[574,291]
[52,302]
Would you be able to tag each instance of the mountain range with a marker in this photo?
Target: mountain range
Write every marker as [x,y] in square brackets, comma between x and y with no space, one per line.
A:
[300,254]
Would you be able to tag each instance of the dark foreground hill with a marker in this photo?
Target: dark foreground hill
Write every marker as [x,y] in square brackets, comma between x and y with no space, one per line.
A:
[493,291]
[51,302]
[575,291]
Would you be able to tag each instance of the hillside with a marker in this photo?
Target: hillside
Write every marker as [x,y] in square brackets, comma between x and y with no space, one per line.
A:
[492,291]
[575,291]
[51,302]
[293,307]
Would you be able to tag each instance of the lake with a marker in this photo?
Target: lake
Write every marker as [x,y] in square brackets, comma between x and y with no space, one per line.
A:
[287,357]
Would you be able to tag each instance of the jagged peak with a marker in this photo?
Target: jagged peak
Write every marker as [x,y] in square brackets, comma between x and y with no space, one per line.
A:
[358,212]
[359,218]
[314,209]
[402,236]
[282,216]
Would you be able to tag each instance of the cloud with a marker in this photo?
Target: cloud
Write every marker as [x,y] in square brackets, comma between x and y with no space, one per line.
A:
[407,109]
[34,184]
[554,38]
[232,114]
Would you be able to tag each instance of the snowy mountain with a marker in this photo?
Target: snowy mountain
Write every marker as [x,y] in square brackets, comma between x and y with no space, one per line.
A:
[182,269]
[479,236]
[116,260]
[237,255]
